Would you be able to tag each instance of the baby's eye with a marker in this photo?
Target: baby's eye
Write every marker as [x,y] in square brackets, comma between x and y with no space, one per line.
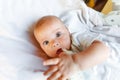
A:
[45,42]
[58,34]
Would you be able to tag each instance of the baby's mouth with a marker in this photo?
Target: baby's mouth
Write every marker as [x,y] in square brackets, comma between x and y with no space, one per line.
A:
[59,51]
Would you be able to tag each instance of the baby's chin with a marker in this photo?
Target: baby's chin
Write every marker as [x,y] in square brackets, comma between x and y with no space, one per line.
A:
[53,56]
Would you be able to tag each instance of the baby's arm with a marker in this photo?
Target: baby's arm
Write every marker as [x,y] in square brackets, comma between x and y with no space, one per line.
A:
[66,65]
[95,54]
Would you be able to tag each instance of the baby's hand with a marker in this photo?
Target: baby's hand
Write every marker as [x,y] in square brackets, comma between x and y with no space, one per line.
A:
[61,68]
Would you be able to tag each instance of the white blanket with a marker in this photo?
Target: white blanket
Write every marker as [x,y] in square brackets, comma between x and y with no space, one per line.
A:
[108,29]
[20,56]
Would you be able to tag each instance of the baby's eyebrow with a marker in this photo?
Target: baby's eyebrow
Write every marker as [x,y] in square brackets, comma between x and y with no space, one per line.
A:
[57,29]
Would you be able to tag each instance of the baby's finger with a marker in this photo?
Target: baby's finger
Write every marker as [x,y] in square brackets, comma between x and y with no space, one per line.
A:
[63,78]
[51,70]
[55,76]
[53,61]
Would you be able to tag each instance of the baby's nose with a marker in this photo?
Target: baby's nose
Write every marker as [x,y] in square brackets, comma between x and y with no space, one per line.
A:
[56,44]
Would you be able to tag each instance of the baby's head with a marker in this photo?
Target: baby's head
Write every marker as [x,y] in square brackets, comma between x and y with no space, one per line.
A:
[52,35]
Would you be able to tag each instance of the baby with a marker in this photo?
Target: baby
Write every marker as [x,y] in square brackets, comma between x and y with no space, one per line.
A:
[68,52]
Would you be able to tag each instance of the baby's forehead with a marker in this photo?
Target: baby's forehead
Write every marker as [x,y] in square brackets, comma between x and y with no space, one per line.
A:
[47,22]
[49,19]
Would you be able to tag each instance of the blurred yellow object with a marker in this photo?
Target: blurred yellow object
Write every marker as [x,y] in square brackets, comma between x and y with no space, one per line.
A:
[91,3]
[107,7]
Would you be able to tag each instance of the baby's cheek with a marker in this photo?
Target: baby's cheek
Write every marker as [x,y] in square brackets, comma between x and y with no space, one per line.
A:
[52,53]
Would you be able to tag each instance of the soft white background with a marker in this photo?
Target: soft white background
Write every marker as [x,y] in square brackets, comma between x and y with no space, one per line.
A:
[19,58]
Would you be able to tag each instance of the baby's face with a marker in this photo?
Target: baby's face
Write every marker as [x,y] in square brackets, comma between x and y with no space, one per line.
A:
[53,37]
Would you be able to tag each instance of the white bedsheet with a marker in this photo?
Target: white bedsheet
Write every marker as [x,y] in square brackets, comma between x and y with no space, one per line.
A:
[19,52]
